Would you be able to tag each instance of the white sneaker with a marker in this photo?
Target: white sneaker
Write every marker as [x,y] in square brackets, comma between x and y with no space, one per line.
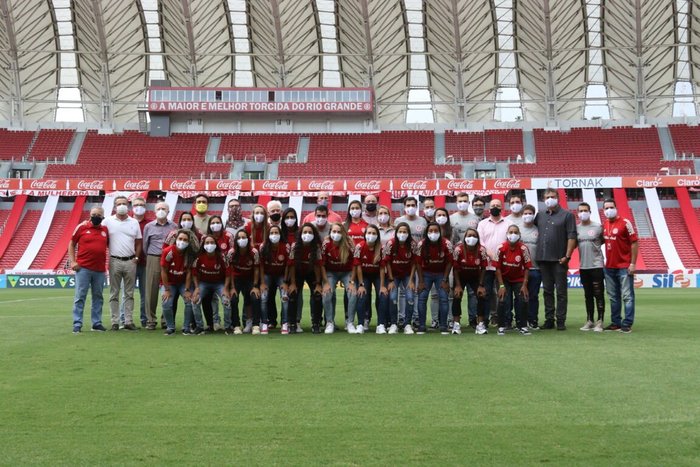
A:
[481,329]
[588,326]
[285,329]
[360,329]
[598,326]
[408,329]
[501,331]
[237,331]
[248,326]
[299,329]
[330,328]
[456,328]
[381,329]
[256,330]
[264,329]
[393,329]
[217,327]
[351,328]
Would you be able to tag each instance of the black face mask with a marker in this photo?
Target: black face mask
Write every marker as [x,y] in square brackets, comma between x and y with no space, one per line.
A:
[275,217]
[495,212]
[479,211]
[96,220]
[371,207]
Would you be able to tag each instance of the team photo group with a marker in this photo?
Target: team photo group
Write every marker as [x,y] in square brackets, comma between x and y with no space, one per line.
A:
[474,263]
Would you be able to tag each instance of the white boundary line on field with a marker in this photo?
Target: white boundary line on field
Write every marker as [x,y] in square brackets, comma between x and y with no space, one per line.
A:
[32,299]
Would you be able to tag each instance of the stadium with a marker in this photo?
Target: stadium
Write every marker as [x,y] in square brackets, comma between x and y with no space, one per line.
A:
[254,101]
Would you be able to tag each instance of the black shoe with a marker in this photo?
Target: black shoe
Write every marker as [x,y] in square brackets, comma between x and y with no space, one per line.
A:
[76,330]
[534,326]
[163,326]
[548,325]
[169,332]
[444,331]
[100,328]
[186,332]
[150,327]
[400,324]
[115,327]
[612,327]
[509,327]
[626,329]
[130,327]
[421,330]
[198,331]
[143,324]
[227,331]
[561,327]
[315,329]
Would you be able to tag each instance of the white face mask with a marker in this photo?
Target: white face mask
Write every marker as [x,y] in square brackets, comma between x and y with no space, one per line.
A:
[471,241]
[355,213]
[336,236]
[584,216]
[242,242]
[122,209]
[516,207]
[290,222]
[430,212]
[274,238]
[411,210]
[433,236]
[186,224]
[441,220]
[209,247]
[139,210]
[528,218]
[321,221]
[307,237]
[551,202]
[259,218]
[512,238]
[402,236]
[181,244]
[161,214]
[371,238]
[383,218]
[215,227]
[611,213]
[462,206]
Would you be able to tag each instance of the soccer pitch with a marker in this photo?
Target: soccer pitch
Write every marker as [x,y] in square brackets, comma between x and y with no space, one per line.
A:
[557,398]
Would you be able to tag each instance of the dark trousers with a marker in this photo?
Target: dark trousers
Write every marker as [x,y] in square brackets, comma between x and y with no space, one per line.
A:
[470,287]
[364,303]
[534,281]
[593,281]
[514,296]
[316,304]
[554,278]
[243,287]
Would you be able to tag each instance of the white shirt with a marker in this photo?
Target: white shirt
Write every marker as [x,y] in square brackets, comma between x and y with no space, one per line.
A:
[122,235]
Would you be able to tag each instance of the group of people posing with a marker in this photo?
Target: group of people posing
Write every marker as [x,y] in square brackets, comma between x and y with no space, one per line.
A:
[474,259]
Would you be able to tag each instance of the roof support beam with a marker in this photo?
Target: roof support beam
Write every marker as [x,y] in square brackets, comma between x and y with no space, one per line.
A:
[640,97]
[16,104]
[364,6]
[187,13]
[459,80]
[282,68]
[551,92]
[106,111]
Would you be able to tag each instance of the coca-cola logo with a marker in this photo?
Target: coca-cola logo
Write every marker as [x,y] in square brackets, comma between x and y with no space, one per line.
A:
[44,184]
[414,185]
[508,184]
[137,185]
[90,185]
[373,185]
[275,185]
[229,185]
[185,185]
[4,184]
[460,184]
[325,185]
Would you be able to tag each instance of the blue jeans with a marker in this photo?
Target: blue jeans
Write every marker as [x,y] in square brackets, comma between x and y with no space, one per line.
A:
[364,302]
[141,284]
[94,281]
[208,291]
[393,312]
[431,279]
[328,307]
[273,284]
[534,281]
[512,291]
[620,286]
[176,291]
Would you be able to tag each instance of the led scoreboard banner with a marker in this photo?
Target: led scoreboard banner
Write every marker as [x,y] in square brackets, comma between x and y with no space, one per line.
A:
[262,100]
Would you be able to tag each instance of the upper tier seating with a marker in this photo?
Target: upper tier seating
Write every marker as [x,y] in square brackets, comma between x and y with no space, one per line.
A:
[52,144]
[259,146]
[14,144]
[500,145]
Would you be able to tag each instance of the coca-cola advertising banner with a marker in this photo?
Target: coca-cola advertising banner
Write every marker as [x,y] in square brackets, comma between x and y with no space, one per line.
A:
[363,187]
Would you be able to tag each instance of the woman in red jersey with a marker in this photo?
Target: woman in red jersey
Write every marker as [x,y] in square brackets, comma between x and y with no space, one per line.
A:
[434,264]
[398,259]
[209,276]
[469,265]
[175,273]
[257,228]
[354,224]
[243,279]
[305,265]
[512,265]
[274,258]
[337,254]
[368,254]
[290,225]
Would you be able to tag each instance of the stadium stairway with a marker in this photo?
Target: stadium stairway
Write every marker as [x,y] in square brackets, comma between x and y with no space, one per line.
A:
[690,217]
[680,235]
[20,239]
[59,236]
[10,225]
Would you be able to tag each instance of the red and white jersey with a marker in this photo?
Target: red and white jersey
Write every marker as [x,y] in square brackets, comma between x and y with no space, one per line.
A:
[436,256]
[356,230]
[244,266]
[469,263]
[174,262]
[364,257]
[91,244]
[513,261]
[225,242]
[208,268]
[276,263]
[399,257]
[303,262]
[330,253]
[619,236]
[259,236]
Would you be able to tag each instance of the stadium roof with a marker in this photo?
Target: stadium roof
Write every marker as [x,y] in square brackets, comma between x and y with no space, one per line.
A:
[439,61]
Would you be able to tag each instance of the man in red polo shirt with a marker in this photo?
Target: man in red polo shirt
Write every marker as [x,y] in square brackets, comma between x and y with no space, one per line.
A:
[91,239]
[621,248]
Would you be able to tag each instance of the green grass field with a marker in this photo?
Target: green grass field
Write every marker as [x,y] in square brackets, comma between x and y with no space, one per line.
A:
[556,398]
